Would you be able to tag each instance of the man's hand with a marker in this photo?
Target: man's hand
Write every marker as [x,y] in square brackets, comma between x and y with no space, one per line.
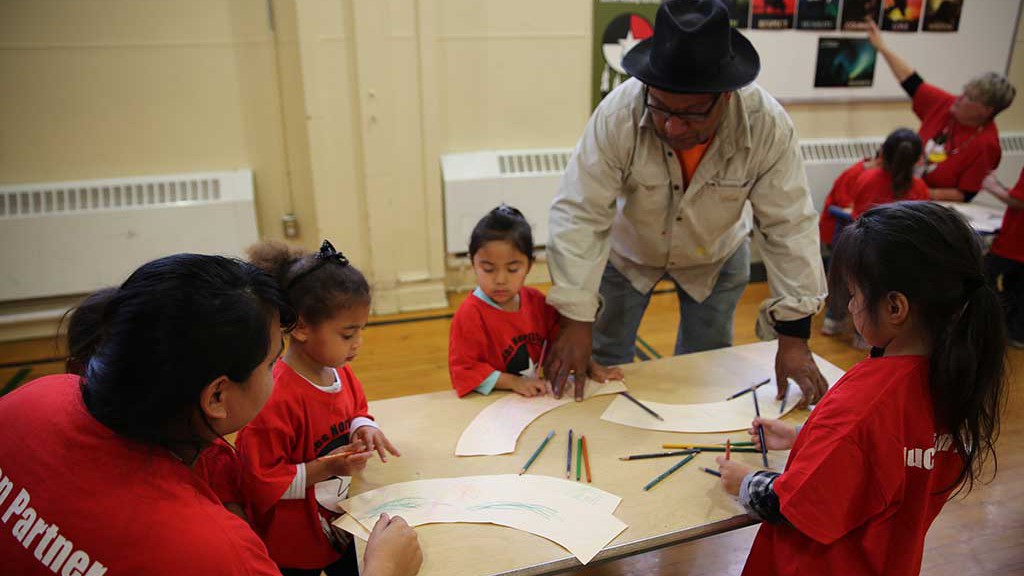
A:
[794,360]
[570,354]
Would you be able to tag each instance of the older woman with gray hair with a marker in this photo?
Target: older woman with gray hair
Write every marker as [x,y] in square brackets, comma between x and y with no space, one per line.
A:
[959,132]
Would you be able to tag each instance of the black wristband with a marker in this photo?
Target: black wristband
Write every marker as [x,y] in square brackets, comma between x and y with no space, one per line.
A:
[912,83]
[796,328]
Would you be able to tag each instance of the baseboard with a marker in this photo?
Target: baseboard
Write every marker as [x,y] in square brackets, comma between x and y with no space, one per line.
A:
[427,295]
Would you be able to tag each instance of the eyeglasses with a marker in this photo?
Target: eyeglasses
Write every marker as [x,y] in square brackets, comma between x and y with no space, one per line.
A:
[666,114]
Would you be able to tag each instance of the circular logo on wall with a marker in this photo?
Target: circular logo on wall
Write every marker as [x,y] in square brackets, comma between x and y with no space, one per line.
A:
[621,35]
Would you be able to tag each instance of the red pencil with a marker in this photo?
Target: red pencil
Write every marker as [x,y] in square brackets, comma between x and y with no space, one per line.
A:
[586,458]
[728,448]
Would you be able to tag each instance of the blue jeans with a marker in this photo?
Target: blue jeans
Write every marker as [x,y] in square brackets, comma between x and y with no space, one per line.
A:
[703,325]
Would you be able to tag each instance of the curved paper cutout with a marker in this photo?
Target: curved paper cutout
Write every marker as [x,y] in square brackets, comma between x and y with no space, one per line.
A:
[575,516]
[496,429]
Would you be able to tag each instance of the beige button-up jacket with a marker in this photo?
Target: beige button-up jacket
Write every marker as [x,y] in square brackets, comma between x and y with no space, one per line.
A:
[622,199]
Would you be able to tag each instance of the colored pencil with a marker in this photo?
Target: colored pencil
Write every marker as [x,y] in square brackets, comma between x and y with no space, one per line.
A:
[586,458]
[738,444]
[666,473]
[540,362]
[579,456]
[568,456]
[728,449]
[760,432]
[640,404]
[707,447]
[661,454]
[754,387]
[712,472]
[537,452]
[783,407]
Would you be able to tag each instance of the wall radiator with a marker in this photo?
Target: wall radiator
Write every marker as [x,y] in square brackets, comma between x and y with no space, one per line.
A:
[476,182]
[70,238]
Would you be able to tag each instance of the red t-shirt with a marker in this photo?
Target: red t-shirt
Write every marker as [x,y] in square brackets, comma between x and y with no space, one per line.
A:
[221,467]
[841,196]
[299,424]
[874,187]
[484,339]
[1010,241]
[75,498]
[865,479]
[971,152]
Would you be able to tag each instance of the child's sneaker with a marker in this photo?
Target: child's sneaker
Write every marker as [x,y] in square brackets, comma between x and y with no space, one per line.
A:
[831,326]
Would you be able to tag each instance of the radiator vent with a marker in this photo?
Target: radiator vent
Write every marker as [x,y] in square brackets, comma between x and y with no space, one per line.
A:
[66,198]
[1012,143]
[533,163]
[839,150]
[61,239]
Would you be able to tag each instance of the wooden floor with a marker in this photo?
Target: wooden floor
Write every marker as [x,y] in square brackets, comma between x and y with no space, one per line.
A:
[982,534]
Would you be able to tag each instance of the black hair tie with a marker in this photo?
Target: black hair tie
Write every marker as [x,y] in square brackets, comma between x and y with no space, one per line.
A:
[326,254]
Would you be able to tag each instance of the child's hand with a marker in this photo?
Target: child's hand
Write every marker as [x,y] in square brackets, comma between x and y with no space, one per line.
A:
[732,474]
[374,439]
[347,460]
[529,387]
[601,373]
[777,434]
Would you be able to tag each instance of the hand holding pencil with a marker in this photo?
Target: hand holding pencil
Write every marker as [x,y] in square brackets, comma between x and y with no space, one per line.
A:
[778,435]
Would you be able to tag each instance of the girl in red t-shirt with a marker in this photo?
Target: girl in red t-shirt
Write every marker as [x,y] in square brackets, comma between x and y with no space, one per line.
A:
[893,180]
[889,178]
[500,331]
[316,427]
[886,447]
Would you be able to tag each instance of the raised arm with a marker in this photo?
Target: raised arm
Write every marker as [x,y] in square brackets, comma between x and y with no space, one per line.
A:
[900,68]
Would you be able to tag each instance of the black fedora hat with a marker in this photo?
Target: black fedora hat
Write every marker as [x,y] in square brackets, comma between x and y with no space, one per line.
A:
[694,49]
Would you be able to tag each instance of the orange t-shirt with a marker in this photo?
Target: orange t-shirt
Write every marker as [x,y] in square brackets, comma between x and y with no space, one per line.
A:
[690,159]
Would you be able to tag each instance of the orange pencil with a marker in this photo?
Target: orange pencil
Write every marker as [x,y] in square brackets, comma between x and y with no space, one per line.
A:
[586,458]
[728,448]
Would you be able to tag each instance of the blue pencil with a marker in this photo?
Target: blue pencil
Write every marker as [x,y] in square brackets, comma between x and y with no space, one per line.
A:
[536,452]
[666,473]
[760,432]
[568,456]
[712,472]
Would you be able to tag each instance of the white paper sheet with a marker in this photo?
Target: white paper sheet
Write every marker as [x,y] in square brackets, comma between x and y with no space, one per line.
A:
[574,516]
[497,427]
[725,416]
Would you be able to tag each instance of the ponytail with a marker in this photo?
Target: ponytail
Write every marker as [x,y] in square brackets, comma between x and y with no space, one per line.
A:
[966,367]
[900,153]
[317,292]
[85,329]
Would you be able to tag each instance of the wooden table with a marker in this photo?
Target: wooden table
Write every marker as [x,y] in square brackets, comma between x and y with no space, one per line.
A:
[688,505]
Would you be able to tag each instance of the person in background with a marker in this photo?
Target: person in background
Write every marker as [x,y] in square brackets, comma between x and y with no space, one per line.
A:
[961,141]
[1004,262]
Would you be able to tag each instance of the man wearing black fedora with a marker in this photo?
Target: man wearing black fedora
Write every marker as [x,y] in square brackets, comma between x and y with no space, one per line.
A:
[674,170]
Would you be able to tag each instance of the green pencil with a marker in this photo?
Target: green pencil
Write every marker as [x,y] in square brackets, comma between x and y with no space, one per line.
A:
[536,452]
[666,473]
[579,456]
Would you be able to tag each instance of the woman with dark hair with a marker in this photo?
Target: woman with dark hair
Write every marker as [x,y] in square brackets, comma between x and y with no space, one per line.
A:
[96,472]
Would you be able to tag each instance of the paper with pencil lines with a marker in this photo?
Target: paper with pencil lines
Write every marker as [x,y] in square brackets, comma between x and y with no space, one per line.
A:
[496,429]
[575,516]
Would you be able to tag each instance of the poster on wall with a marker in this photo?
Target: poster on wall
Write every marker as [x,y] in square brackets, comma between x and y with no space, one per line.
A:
[855,12]
[817,14]
[901,15]
[618,27]
[845,63]
[942,15]
[773,14]
[739,12]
